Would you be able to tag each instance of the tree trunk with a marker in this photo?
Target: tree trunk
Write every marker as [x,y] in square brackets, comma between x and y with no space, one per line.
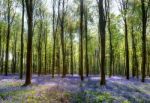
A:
[54,38]
[29,8]
[126,48]
[71,43]
[110,46]
[15,54]
[144,23]
[86,39]
[81,40]
[46,51]
[7,39]
[40,51]
[62,41]
[2,62]
[133,52]
[22,43]
[102,25]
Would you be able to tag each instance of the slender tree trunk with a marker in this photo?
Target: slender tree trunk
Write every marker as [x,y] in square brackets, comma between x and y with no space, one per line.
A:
[58,59]
[15,54]
[7,39]
[62,41]
[102,25]
[144,23]
[86,39]
[29,8]
[54,38]
[111,53]
[40,51]
[46,51]
[53,60]
[110,46]
[2,62]
[22,43]
[81,40]
[133,52]
[71,43]
[110,41]
[126,49]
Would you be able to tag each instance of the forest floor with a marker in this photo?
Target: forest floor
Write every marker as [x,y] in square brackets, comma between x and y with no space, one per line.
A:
[44,89]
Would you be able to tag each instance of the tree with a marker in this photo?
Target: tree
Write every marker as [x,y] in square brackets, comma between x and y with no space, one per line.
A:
[9,23]
[29,8]
[62,38]
[22,41]
[86,39]
[45,39]
[14,61]
[70,30]
[102,33]
[81,41]
[40,40]
[124,7]
[134,53]
[133,25]
[55,29]
[144,23]
[110,41]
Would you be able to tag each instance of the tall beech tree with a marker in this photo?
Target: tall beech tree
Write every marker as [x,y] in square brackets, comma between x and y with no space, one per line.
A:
[10,19]
[86,39]
[55,30]
[45,39]
[54,39]
[40,39]
[110,41]
[29,9]
[103,11]
[22,41]
[124,10]
[62,39]
[14,61]
[144,9]
[81,41]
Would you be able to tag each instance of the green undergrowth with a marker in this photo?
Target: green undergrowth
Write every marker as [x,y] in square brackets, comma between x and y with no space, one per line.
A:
[95,97]
[36,94]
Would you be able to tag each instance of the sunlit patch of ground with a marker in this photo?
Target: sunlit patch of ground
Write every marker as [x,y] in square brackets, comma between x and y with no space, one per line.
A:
[71,90]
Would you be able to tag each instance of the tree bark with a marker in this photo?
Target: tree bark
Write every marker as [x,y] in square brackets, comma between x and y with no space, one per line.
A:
[144,23]
[81,40]
[29,8]
[22,41]
[134,55]
[102,26]
[71,43]
[40,48]
[110,42]
[126,48]
[45,50]
[86,39]
[7,38]
[62,41]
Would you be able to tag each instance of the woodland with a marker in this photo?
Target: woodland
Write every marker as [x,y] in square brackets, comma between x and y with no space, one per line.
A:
[74,51]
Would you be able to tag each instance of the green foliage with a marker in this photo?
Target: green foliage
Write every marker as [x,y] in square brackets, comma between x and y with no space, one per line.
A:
[91,97]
